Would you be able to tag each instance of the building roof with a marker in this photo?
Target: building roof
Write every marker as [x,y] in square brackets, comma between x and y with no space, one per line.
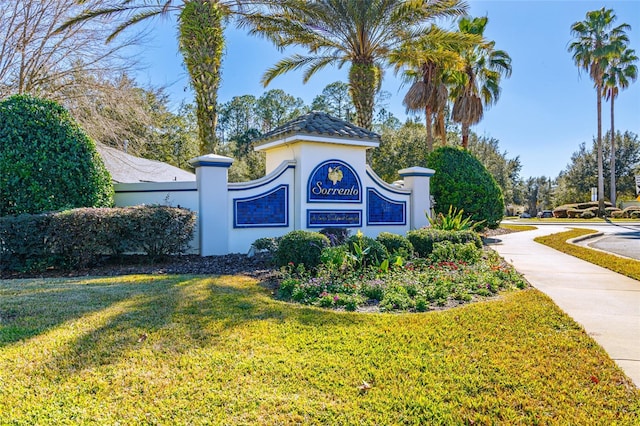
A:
[317,123]
[126,168]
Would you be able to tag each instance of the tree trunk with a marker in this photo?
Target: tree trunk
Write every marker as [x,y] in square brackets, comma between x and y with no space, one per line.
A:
[465,135]
[427,119]
[613,156]
[364,80]
[599,155]
[201,44]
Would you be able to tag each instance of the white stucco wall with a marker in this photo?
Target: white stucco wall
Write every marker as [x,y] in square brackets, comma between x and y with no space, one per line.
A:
[226,210]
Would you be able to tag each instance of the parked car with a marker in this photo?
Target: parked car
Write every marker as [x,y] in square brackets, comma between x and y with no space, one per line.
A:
[525,215]
[545,214]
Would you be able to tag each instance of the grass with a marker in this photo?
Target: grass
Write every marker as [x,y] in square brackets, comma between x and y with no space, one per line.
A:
[518,228]
[624,266]
[199,350]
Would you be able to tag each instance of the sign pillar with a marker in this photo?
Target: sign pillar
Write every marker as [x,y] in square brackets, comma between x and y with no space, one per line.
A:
[417,180]
[213,212]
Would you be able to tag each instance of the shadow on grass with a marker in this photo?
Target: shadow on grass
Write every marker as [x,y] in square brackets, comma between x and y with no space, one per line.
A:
[29,308]
[109,321]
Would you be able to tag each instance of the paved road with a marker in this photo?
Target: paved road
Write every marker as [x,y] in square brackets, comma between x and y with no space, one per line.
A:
[625,236]
[624,243]
[618,238]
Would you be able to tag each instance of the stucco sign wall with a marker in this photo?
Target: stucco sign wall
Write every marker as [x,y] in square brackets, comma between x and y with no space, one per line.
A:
[316,177]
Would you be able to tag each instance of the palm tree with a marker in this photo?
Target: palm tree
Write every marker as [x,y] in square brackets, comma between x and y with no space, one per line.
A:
[429,60]
[620,72]
[360,32]
[595,43]
[478,84]
[201,25]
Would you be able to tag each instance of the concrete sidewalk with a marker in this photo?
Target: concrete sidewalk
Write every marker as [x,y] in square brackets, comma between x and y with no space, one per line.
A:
[605,303]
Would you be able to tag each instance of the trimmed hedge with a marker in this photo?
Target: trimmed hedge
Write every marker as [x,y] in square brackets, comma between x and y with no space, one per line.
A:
[576,210]
[47,162]
[395,244]
[24,242]
[423,239]
[446,251]
[82,237]
[301,247]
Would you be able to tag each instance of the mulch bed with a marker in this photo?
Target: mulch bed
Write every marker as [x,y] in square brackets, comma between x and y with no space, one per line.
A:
[258,266]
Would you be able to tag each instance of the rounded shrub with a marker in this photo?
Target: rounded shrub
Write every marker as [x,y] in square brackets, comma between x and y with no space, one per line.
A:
[424,239]
[47,162]
[463,182]
[301,247]
[395,244]
[446,251]
[588,214]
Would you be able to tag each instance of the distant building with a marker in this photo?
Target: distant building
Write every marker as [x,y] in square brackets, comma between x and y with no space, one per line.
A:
[126,168]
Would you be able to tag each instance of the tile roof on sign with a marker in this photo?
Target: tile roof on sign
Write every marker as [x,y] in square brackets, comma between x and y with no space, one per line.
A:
[317,123]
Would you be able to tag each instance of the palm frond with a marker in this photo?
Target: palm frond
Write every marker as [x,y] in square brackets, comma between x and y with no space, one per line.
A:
[295,62]
[139,12]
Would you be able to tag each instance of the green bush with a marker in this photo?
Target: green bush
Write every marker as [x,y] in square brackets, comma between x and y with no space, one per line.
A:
[374,289]
[396,245]
[423,239]
[396,298]
[23,242]
[268,244]
[446,251]
[463,182]
[47,162]
[588,214]
[335,258]
[574,213]
[301,247]
[371,251]
[159,230]
[81,237]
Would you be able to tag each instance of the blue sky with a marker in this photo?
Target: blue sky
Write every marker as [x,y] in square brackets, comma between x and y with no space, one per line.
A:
[546,109]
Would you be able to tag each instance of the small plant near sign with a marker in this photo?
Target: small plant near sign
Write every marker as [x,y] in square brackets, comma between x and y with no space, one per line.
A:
[454,220]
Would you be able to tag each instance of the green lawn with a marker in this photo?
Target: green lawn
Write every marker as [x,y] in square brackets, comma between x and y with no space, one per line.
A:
[518,228]
[196,350]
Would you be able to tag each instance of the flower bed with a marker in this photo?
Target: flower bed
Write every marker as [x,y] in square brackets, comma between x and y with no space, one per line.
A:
[418,285]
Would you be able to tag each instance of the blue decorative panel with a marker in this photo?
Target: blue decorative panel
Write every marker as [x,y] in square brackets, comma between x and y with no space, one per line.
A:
[265,210]
[329,218]
[383,211]
[334,181]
